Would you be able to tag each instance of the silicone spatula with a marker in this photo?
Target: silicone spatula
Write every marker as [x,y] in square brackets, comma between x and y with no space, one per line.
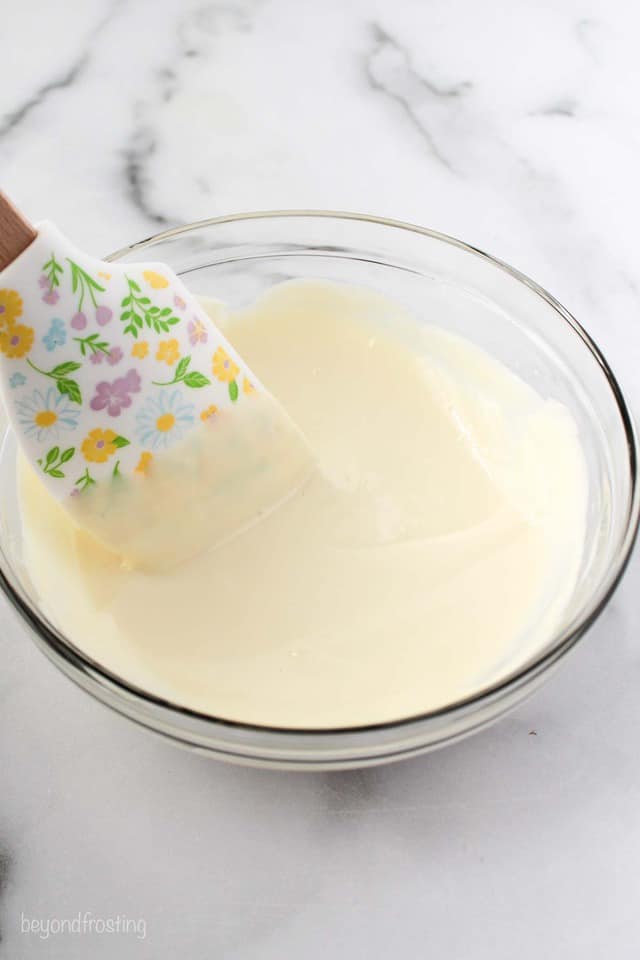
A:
[131,405]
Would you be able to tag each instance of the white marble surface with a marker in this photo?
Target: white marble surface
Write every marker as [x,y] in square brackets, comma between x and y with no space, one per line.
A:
[512,124]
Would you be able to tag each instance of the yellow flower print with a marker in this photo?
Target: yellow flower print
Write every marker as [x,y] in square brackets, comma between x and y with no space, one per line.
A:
[140,349]
[169,351]
[144,463]
[247,387]
[16,340]
[165,422]
[155,280]
[208,413]
[45,418]
[99,445]
[10,307]
[224,368]
[105,276]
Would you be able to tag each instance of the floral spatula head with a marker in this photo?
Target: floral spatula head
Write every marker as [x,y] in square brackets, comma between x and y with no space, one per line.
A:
[130,404]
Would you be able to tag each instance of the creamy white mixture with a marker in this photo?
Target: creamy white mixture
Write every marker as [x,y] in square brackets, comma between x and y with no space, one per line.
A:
[433,550]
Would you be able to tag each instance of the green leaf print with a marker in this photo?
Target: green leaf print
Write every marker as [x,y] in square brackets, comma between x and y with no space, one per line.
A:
[83,282]
[191,379]
[92,344]
[70,388]
[70,366]
[54,460]
[66,386]
[52,269]
[142,312]
[181,369]
[195,380]
[85,481]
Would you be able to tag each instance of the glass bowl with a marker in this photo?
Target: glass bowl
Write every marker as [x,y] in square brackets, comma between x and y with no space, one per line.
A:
[236,258]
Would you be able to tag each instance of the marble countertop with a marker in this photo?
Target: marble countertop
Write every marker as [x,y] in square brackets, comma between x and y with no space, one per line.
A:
[515,126]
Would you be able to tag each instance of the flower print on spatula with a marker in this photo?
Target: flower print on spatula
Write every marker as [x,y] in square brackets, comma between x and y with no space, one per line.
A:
[164,419]
[50,280]
[121,358]
[86,288]
[16,341]
[114,397]
[56,335]
[10,307]
[47,414]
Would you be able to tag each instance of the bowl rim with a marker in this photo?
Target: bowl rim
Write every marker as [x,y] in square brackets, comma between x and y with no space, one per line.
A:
[94,671]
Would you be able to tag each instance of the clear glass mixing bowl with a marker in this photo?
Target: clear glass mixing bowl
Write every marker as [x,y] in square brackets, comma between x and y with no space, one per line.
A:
[235,259]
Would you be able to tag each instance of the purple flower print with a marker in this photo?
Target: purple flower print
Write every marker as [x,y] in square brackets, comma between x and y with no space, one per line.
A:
[115,397]
[114,356]
[78,321]
[107,396]
[179,302]
[132,381]
[197,332]
[51,297]
[103,315]
[44,282]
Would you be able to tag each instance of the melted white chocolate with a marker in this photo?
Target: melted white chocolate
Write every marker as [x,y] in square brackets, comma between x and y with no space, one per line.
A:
[224,475]
[433,551]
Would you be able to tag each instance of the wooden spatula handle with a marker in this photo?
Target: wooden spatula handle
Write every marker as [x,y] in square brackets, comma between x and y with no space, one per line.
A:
[16,233]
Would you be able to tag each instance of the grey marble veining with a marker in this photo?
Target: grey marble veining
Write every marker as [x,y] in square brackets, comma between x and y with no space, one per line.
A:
[512,125]
[389,72]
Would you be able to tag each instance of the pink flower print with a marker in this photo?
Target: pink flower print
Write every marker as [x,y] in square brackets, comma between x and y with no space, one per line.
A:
[78,321]
[115,356]
[97,357]
[43,282]
[179,302]
[51,297]
[197,332]
[108,396]
[103,315]
[115,397]
[132,381]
